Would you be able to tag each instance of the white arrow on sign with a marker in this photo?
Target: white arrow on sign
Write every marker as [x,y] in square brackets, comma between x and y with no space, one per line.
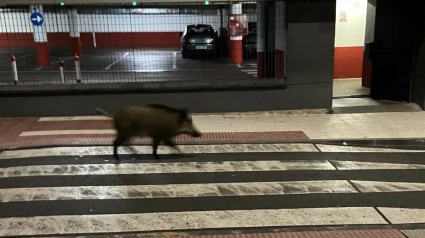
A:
[38,19]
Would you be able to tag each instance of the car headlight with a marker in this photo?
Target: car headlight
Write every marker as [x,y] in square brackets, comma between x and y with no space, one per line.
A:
[208,41]
[192,40]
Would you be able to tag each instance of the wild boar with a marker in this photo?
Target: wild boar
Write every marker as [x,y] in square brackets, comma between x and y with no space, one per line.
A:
[157,121]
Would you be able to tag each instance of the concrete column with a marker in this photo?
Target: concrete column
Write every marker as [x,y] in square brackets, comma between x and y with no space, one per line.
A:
[236,46]
[74,31]
[280,39]
[370,21]
[40,39]
[261,44]
[369,37]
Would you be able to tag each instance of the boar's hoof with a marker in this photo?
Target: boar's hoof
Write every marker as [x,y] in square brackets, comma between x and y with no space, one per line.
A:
[116,157]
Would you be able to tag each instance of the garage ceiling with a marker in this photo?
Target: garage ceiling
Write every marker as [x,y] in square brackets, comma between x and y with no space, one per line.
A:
[91,2]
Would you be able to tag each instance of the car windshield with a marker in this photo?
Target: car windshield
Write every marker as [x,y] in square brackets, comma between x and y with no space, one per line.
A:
[199,30]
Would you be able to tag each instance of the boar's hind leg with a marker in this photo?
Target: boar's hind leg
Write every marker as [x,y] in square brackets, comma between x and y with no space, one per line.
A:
[155,144]
[118,142]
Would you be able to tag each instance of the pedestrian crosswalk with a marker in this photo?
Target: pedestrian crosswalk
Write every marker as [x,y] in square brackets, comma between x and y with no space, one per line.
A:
[84,190]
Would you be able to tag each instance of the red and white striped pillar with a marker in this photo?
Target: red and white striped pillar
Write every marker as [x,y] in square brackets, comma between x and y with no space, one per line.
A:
[261,44]
[40,39]
[74,31]
[236,46]
[280,39]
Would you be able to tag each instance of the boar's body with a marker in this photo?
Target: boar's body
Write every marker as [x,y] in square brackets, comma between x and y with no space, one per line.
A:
[159,122]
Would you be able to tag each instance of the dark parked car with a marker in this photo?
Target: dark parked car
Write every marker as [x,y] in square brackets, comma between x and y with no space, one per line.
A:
[198,38]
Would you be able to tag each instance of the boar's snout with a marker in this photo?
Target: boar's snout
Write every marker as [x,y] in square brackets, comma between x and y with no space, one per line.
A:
[196,134]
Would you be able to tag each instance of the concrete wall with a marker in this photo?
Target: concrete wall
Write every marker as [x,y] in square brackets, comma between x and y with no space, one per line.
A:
[311,62]
[262,98]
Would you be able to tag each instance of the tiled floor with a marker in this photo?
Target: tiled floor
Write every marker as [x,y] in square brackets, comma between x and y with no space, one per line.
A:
[222,128]
[349,87]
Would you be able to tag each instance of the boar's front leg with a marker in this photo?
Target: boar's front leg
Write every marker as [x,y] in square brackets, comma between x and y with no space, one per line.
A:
[170,142]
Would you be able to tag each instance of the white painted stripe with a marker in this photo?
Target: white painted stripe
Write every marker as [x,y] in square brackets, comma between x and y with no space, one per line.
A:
[46,225]
[336,148]
[403,215]
[378,186]
[249,70]
[68,132]
[157,168]
[193,149]
[116,61]
[75,118]
[175,190]
[174,60]
[354,165]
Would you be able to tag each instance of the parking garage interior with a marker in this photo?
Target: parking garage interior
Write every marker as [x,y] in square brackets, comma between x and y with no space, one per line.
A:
[124,43]
[307,58]
[142,43]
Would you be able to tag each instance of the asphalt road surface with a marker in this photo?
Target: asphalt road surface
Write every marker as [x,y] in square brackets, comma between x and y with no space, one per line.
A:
[83,190]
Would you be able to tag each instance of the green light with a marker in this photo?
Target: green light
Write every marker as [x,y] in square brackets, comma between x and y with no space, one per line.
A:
[207,2]
[62,4]
[134,3]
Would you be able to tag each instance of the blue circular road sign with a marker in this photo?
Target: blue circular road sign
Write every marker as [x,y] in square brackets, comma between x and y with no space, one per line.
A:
[37,18]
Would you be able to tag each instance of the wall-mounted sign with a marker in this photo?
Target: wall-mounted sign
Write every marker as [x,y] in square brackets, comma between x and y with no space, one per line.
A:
[343,16]
[37,18]
[238,25]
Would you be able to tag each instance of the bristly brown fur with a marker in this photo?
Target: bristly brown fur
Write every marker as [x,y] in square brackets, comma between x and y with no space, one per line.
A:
[183,114]
[160,122]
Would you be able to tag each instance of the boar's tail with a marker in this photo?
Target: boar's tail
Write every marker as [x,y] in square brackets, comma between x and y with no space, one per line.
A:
[103,112]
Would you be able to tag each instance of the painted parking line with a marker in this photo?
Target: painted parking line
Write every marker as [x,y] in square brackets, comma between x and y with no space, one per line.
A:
[167,221]
[116,61]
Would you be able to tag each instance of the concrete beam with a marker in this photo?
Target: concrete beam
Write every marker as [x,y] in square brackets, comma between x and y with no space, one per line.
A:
[91,2]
